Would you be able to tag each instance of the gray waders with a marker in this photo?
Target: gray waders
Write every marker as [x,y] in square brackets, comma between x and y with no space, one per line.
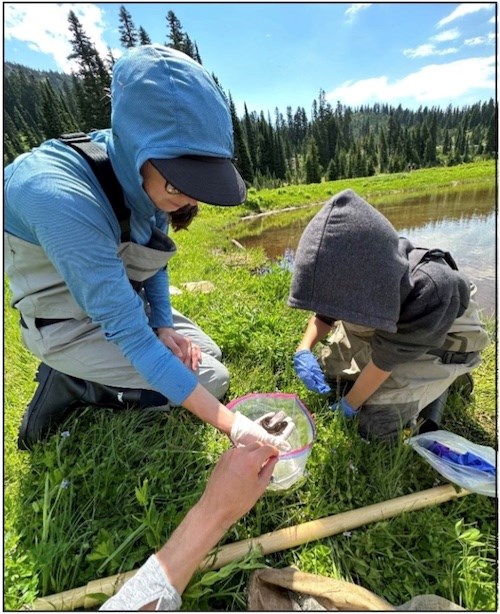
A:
[79,365]
[55,339]
[415,391]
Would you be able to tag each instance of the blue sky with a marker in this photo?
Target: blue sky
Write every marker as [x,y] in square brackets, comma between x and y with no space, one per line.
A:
[278,54]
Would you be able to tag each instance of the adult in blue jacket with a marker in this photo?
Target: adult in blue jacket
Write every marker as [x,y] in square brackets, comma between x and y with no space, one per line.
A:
[170,145]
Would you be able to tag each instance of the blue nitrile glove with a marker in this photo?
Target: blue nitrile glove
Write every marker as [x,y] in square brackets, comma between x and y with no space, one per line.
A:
[307,368]
[345,408]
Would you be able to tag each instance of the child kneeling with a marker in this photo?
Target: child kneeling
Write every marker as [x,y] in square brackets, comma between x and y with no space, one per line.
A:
[399,321]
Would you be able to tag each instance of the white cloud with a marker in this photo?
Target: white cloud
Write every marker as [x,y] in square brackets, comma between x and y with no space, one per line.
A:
[465,9]
[426,50]
[432,84]
[45,28]
[480,40]
[447,35]
[354,9]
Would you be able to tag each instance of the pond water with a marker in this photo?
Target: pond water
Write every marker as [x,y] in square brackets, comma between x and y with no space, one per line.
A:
[462,223]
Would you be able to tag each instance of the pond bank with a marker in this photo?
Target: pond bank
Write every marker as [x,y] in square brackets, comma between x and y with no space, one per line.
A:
[417,183]
[461,222]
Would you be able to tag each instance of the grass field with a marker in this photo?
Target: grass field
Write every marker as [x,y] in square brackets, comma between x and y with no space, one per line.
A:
[99,500]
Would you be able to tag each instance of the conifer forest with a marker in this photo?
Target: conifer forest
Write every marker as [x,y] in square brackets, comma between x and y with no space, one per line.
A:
[325,142]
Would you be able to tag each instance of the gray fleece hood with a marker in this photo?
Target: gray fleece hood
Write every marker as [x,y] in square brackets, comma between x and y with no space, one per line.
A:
[349,265]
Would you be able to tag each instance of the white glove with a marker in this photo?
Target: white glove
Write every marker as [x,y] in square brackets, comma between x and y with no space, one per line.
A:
[245,431]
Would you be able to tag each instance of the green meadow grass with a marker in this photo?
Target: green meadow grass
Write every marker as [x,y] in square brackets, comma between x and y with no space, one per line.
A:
[417,182]
[103,498]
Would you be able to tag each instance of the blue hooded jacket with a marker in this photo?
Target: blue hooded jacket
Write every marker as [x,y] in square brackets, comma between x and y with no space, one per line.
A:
[164,105]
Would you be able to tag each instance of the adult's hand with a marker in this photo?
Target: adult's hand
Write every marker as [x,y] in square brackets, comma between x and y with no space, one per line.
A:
[245,431]
[307,368]
[181,346]
[238,480]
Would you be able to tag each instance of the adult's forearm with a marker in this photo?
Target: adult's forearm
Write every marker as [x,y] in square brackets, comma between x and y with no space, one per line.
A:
[193,539]
[209,409]
[158,294]
[239,479]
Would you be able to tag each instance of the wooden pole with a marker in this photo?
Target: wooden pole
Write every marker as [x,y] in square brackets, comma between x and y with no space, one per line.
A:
[275,541]
[331,525]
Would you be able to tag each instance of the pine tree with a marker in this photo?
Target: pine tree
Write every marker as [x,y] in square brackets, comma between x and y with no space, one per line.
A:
[332,171]
[491,146]
[429,153]
[383,154]
[460,143]
[26,135]
[175,32]
[144,38]
[300,126]
[446,143]
[180,40]
[265,146]
[280,166]
[251,138]
[55,120]
[110,60]
[68,95]
[128,32]
[94,97]
[188,46]
[312,163]
[342,170]
[431,146]
[10,152]
[243,161]
[30,98]
[392,134]
[348,173]
[466,154]
[197,55]
[321,129]
[12,134]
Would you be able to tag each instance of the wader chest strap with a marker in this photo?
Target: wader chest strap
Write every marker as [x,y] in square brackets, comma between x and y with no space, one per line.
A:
[100,164]
[434,254]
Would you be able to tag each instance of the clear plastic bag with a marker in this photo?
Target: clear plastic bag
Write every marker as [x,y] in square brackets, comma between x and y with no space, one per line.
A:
[464,463]
[291,465]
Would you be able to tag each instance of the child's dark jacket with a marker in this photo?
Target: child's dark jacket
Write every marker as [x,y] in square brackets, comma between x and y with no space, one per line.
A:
[351,265]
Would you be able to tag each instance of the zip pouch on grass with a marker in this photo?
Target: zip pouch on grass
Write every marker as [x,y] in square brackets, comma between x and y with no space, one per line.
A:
[464,463]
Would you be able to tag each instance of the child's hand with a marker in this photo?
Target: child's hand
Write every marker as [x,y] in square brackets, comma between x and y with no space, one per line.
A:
[345,408]
[307,368]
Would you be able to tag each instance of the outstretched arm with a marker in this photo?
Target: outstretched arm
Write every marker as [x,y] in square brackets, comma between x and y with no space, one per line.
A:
[240,429]
[238,480]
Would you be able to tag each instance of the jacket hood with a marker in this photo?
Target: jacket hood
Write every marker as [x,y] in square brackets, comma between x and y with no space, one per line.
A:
[350,265]
[164,105]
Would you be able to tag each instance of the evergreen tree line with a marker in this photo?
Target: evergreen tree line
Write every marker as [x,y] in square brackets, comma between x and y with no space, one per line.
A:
[335,142]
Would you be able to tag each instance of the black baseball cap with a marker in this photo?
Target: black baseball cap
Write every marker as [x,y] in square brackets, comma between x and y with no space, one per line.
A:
[211,180]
